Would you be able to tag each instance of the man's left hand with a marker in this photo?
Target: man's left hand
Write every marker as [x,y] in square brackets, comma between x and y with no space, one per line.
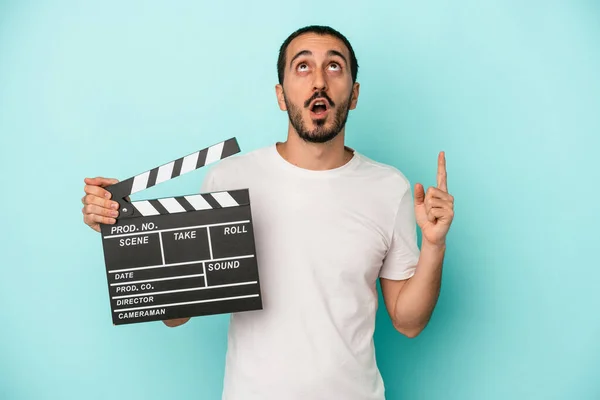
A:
[434,210]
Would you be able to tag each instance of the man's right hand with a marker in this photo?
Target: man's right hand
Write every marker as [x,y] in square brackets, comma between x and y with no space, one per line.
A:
[97,206]
[99,209]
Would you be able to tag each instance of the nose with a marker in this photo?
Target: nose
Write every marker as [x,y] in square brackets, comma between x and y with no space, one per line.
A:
[320,81]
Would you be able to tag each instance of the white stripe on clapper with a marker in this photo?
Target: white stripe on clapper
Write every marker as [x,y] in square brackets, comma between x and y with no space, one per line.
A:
[244,221]
[225,199]
[189,163]
[209,244]
[140,182]
[198,202]
[214,153]
[169,278]
[181,263]
[162,249]
[171,205]
[164,172]
[186,289]
[189,302]
[145,208]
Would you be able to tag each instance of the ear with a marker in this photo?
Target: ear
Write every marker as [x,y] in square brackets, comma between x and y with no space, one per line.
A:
[354,98]
[280,97]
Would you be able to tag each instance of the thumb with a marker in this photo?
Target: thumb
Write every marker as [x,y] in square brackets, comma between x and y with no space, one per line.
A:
[100,181]
[419,194]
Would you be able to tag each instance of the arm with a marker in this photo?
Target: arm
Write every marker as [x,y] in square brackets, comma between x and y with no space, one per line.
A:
[410,302]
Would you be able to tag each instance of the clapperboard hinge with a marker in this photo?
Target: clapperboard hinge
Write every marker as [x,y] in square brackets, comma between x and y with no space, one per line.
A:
[171,205]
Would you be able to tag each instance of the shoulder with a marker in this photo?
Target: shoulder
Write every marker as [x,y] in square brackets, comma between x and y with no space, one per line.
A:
[236,168]
[239,161]
[384,176]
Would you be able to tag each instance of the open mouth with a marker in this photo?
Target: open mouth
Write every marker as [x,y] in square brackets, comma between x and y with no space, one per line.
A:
[319,108]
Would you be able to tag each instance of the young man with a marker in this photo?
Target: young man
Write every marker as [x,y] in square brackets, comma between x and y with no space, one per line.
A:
[328,223]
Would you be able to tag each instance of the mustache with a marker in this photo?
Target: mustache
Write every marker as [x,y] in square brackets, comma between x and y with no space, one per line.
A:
[316,96]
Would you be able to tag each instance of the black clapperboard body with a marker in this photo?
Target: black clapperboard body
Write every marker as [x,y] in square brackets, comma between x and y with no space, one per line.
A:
[182,256]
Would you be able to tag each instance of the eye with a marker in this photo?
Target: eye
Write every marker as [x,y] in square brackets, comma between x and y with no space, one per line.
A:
[335,66]
[302,67]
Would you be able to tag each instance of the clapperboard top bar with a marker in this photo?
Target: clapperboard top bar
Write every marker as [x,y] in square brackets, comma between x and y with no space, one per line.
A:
[169,205]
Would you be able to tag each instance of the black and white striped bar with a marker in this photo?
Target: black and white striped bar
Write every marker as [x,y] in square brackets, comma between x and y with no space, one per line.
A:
[175,168]
[173,205]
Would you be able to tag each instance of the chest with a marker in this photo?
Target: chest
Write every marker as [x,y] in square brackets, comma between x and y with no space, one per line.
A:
[323,231]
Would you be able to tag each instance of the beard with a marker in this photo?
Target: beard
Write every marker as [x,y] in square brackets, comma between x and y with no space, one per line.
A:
[320,134]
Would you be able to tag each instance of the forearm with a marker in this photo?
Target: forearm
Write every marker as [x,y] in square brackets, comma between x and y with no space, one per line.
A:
[418,296]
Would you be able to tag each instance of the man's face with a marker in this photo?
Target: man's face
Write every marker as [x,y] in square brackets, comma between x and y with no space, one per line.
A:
[317,88]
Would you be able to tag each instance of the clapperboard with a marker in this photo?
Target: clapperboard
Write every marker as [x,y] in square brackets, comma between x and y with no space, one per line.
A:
[183,256]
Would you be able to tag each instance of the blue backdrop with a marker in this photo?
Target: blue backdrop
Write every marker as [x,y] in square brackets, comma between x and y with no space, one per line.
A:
[510,91]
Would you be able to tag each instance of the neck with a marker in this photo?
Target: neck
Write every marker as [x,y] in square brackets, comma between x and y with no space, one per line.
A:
[314,156]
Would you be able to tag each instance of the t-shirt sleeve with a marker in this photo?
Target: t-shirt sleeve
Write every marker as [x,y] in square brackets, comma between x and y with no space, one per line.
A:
[403,254]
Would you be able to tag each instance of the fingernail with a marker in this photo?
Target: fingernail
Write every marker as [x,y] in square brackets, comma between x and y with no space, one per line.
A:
[114,213]
[115,205]
[107,195]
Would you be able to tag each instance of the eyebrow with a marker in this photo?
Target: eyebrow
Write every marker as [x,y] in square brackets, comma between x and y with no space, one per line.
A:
[330,53]
[337,53]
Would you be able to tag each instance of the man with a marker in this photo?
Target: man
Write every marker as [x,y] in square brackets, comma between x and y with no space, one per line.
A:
[328,223]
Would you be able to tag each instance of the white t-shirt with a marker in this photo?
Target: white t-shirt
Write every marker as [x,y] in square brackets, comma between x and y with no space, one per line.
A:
[322,240]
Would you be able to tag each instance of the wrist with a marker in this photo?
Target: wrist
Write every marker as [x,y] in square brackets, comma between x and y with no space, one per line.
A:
[438,247]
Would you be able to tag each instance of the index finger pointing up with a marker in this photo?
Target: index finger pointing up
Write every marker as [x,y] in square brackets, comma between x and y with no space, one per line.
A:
[442,183]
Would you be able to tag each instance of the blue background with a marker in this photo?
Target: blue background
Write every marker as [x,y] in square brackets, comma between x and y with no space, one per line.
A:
[510,90]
